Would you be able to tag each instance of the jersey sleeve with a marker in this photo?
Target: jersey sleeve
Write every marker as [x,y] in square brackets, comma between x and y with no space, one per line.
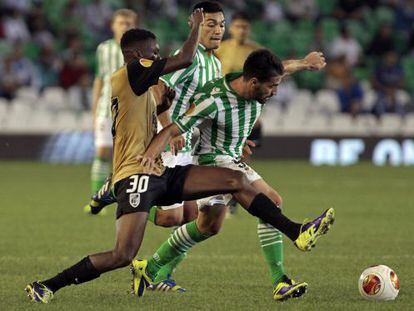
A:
[180,76]
[144,73]
[203,108]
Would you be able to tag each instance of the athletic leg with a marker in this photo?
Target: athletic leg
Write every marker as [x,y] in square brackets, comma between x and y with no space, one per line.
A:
[190,211]
[101,167]
[271,240]
[235,182]
[255,203]
[168,217]
[129,234]
[130,230]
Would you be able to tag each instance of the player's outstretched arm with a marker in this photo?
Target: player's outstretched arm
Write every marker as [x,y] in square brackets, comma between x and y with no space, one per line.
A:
[185,57]
[312,61]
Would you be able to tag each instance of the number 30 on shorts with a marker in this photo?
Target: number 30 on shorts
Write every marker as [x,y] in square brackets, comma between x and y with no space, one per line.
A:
[138,183]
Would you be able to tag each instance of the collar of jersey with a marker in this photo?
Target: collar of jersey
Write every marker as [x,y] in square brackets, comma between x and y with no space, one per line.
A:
[230,77]
[204,50]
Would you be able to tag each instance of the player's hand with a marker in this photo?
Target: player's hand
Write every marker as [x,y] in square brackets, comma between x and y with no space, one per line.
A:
[196,18]
[315,61]
[247,151]
[176,144]
[148,164]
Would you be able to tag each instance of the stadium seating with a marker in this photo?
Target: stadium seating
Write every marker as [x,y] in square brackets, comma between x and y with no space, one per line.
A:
[328,102]
[54,98]
[312,109]
[306,114]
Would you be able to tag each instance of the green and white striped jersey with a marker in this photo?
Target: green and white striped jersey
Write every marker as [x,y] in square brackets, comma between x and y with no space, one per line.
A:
[224,118]
[109,59]
[189,81]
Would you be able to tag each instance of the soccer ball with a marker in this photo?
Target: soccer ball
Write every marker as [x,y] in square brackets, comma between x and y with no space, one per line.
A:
[379,283]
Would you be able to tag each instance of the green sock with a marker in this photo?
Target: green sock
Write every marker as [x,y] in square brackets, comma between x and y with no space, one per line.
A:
[152,216]
[179,242]
[271,241]
[167,270]
[101,168]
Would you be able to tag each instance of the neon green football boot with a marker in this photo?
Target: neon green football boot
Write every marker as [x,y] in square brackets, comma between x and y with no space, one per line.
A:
[311,231]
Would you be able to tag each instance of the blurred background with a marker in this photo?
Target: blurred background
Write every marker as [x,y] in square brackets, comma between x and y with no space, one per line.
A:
[360,108]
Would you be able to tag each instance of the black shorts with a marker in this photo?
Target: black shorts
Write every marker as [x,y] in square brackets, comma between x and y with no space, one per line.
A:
[138,193]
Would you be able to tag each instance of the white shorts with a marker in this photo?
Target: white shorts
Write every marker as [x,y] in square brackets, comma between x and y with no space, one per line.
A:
[228,162]
[103,133]
[170,160]
[182,158]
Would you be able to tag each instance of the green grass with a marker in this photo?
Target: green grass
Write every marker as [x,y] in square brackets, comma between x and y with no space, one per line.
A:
[44,231]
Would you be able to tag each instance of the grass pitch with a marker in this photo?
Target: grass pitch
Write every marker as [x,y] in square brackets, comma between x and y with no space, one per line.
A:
[43,231]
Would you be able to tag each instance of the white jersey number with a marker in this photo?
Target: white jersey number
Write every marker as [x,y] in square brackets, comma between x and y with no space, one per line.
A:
[138,184]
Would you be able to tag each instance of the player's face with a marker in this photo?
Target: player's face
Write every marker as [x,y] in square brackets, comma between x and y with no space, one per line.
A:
[239,30]
[121,24]
[212,30]
[262,91]
[149,50]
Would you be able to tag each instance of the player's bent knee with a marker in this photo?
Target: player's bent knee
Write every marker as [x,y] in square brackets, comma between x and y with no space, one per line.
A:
[275,197]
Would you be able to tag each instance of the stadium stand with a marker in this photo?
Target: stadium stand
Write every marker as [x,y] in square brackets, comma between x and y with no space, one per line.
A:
[45,89]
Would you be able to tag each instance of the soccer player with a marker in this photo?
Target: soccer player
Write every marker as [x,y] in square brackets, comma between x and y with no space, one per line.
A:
[133,108]
[226,111]
[186,82]
[109,59]
[232,54]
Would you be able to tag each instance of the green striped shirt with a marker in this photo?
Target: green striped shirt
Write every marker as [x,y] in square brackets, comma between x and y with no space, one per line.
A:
[188,81]
[109,59]
[224,118]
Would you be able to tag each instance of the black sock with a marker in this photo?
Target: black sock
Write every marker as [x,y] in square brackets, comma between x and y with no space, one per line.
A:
[264,208]
[81,272]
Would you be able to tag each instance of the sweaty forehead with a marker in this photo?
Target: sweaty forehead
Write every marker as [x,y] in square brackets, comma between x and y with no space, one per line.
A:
[217,17]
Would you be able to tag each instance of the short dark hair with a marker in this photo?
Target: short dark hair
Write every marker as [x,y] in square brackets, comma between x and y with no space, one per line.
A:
[209,7]
[262,64]
[240,15]
[135,35]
